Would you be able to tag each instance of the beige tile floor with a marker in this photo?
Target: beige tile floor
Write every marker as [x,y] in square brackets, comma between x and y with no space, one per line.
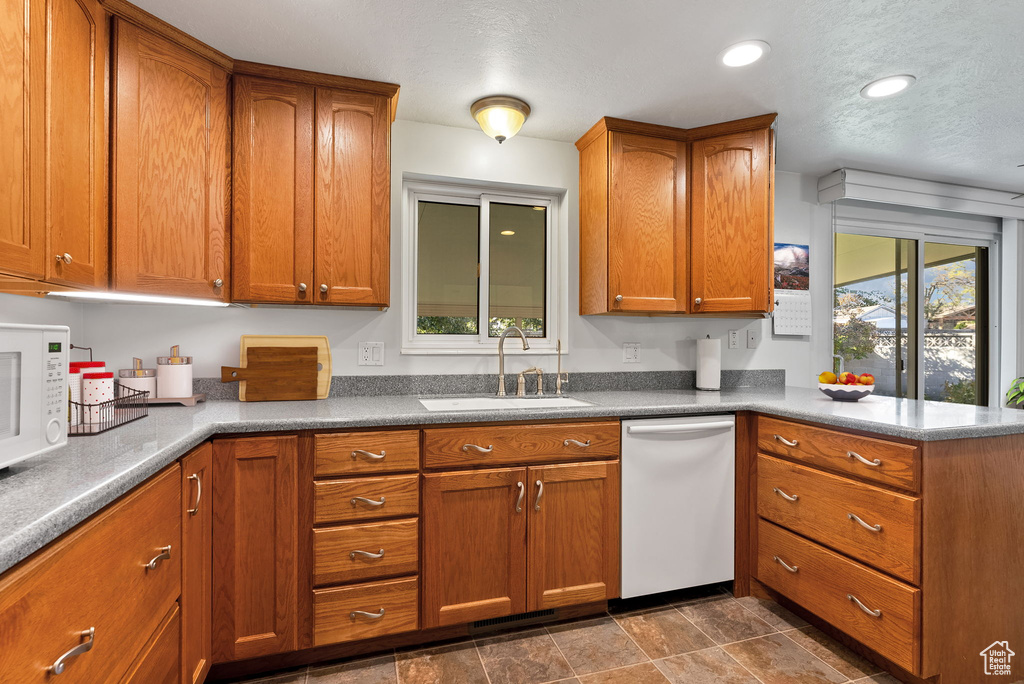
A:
[703,636]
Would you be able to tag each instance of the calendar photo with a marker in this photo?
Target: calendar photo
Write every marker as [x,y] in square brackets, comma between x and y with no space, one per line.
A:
[792,266]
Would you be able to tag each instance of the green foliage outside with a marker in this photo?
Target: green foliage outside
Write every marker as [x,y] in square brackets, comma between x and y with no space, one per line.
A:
[1015,395]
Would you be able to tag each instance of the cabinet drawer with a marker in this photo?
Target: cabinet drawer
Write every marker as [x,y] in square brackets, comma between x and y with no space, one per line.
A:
[349,500]
[889,463]
[95,578]
[335,616]
[826,583]
[337,558]
[159,661]
[352,453]
[499,444]
[827,508]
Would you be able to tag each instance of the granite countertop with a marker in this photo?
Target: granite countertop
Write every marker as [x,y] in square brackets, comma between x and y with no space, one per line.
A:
[43,497]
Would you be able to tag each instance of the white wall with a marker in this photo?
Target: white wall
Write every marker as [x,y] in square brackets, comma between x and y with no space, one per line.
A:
[595,344]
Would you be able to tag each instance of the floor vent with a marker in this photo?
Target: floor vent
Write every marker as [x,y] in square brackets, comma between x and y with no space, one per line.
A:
[511,621]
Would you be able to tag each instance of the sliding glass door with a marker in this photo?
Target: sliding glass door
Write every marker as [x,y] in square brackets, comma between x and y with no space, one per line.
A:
[913,313]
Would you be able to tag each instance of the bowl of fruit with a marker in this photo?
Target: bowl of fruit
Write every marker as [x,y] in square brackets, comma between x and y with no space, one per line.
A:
[846,386]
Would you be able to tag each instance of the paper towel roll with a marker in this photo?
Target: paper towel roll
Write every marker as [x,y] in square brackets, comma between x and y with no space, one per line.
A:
[709,364]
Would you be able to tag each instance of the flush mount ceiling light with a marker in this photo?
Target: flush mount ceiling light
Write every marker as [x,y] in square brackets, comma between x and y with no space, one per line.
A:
[500,116]
[508,232]
[120,298]
[742,54]
[884,87]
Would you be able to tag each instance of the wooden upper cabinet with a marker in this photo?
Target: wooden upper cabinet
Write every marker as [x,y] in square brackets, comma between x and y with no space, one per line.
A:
[731,225]
[474,545]
[272,227]
[676,221]
[255,559]
[353,198]
[646,224]
[574,534]
[170,157]
[53,124]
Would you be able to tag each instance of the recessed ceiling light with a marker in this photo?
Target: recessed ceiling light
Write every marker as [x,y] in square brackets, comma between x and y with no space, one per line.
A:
[508,232]
[884,87]
[742,54]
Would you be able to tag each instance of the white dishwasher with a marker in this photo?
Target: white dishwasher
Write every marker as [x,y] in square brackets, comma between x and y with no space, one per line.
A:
[678,502]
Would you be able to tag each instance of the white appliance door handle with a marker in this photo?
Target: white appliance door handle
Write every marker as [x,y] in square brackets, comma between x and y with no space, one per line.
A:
[669,428]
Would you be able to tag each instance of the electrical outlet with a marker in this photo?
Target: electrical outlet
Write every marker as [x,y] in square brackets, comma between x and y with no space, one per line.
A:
[734,339]
[631,352]
[753,337]
[371,353]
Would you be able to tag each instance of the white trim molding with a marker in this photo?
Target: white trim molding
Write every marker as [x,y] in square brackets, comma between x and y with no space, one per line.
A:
[854,184]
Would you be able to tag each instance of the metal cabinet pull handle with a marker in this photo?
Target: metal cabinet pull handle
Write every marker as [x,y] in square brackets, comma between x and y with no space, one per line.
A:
[369,502]
[791,568]
[874,464]
[856,518]
[165,553]
[65,257]
[218,282]
[324,288]
[519,501]
[366,554]
[872,613]
[786,441]
[302,287]
[618,298]
[60,663]
[576,442]
[483,450]
[697,301]
[362,613]
[199,493]
[540,493]
[784,495]
[369,454]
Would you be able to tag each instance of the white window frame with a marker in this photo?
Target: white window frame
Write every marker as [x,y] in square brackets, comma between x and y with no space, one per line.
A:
[481,194]
[921,233]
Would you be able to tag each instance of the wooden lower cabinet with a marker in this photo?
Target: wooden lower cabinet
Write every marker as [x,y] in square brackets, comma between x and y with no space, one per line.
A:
[196,564]
[573,534]
[109,582]
[255,525]
[507,541]
[159,661]
[474,545]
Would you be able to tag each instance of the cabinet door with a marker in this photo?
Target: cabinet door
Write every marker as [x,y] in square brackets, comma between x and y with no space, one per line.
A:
[574,534]
[170,204]
[75,142]
[272,227]
[353,198]
[158,662]
[731,223]
[647,224]
[255,523]
[196,564]
[474,545]
[22,240]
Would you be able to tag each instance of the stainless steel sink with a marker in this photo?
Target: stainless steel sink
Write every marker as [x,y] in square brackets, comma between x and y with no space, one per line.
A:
[499,403]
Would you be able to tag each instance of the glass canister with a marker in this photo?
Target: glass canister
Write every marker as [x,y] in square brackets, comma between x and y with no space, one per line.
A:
[174,375]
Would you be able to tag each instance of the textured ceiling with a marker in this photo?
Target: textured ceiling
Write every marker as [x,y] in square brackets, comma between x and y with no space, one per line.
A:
[655,60]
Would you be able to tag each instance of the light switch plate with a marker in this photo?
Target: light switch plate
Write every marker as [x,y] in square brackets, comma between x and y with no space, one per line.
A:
[371,353]
[734,339]
[631,352]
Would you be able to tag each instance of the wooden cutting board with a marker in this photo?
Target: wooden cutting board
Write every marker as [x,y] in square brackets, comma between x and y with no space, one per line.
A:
[321,342]
[276,373]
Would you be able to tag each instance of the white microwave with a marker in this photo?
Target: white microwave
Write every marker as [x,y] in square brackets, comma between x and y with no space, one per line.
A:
[33,390]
